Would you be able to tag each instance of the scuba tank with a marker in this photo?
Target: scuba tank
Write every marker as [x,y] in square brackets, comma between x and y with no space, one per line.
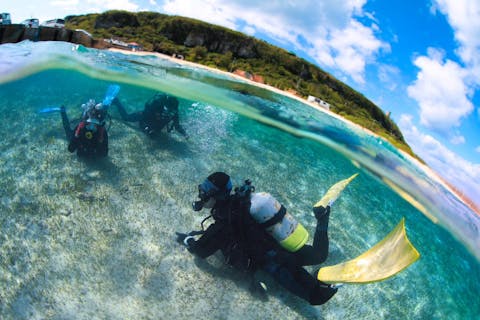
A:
[275,219]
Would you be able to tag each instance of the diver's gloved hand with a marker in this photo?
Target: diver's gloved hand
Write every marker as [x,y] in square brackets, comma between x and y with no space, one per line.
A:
[184,238]
[321,211]
[181,237]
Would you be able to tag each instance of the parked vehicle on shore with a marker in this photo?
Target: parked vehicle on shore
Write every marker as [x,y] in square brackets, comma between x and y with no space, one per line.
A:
[54,23]
[31,23]
[5,18]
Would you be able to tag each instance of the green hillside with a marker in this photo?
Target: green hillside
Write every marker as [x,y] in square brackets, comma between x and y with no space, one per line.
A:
[229,50]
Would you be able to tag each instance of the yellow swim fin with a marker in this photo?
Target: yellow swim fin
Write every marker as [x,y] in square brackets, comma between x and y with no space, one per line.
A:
[334,192]
[384,260]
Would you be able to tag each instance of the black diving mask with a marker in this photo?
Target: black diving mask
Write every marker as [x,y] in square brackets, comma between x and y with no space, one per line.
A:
[206,190]
[197,205]
[203,195]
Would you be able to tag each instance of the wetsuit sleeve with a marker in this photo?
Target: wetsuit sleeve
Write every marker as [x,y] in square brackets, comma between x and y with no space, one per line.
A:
[209,242]
[177,126]
[73,142]
[147,121]
[66,124]
[317,253]
[104,145]
[133,117]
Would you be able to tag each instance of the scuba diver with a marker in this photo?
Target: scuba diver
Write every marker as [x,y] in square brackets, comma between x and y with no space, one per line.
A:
[254,231]
[89,138]
[159,112]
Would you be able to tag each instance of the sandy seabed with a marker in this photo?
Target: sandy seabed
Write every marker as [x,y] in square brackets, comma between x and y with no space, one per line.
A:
[82,240]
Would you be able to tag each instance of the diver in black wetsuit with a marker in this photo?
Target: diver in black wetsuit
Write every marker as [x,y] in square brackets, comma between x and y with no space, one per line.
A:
[159,112]
[89,138]
[246,244]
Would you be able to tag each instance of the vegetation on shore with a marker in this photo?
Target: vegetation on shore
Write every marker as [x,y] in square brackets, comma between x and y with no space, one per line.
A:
[229,50]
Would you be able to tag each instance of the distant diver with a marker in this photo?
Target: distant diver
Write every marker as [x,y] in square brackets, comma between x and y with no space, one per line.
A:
[89,138]
[255,232]
[159,112]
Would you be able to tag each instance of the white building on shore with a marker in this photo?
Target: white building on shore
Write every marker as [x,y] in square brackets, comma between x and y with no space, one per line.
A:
[319,101]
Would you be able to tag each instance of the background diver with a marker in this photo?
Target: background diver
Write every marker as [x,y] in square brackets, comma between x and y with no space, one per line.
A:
[89,138]
[160,111]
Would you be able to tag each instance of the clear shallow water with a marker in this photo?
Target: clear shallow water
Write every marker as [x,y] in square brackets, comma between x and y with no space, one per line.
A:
[81,240]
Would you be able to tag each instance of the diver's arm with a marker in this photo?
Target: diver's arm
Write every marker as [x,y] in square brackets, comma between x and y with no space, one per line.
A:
[104,145]
[178,127]
[133,117]
[73,144]
[66,124]
[208,243]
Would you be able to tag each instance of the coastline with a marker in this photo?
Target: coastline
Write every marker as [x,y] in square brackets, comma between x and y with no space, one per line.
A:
[429,171]
[261,85]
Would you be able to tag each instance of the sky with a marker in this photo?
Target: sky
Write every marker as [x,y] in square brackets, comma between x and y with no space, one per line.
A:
[418,59]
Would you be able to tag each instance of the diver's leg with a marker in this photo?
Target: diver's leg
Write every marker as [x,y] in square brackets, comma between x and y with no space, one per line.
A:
[281,274]
[299,282]
[317,252]
[66,124]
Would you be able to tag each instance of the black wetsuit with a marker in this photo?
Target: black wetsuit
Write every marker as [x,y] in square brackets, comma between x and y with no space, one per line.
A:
[88,143]
[160,111]
[246,245]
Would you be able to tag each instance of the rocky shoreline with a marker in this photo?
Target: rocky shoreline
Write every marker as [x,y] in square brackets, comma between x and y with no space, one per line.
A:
[14,33]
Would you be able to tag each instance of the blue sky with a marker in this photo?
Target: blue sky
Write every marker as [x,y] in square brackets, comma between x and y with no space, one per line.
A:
[418,59]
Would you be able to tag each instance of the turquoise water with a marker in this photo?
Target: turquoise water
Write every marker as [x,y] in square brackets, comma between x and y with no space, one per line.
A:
[82,240]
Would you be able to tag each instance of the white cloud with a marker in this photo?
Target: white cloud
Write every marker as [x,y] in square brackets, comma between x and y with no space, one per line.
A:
[477,149]
[64,3]
[353,47]
[464,17]
[336,39]
[457,139]
[210,11]
[461,173]
[389,76]
[99,5]
[103,5]
[441,92]
[249,30]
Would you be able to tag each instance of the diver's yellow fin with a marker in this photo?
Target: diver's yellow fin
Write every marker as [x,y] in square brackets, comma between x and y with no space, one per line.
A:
[334,191]
[385,259]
